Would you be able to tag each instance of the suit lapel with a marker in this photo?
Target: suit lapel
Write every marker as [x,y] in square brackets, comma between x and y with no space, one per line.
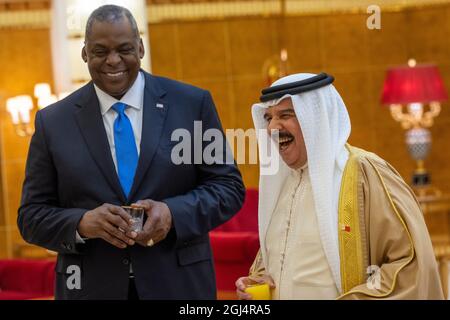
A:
[89,119]
[155,110]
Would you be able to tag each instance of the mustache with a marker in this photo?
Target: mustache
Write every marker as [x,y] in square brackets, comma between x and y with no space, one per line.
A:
[284,134]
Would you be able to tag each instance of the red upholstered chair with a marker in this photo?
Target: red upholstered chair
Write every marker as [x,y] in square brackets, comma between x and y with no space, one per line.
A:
[235,244]
[22,279]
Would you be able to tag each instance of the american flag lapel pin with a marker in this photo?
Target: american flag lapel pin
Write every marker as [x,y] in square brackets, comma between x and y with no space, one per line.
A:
[159,105]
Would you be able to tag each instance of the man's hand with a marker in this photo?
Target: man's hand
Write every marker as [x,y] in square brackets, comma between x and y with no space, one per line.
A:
[244,282]
[109,222]
[158,224]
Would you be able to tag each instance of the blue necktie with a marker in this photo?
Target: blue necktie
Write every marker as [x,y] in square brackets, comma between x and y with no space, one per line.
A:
[125,145]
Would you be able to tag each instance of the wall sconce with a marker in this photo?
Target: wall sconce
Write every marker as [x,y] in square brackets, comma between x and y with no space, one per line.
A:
[20,107]
[44,95]
[276,67]
[415,86]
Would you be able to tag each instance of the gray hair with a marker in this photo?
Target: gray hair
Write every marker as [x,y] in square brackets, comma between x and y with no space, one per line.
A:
[110,13]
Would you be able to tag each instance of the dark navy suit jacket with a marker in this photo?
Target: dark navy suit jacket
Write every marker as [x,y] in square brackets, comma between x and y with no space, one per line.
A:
[70,170]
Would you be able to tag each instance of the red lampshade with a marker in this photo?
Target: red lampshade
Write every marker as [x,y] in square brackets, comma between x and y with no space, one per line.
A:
[421,83]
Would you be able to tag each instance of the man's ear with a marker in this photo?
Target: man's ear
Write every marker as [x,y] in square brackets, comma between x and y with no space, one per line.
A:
[84,54]
[141,49]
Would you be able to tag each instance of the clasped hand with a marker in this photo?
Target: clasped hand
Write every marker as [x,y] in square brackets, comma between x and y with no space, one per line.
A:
[113,224]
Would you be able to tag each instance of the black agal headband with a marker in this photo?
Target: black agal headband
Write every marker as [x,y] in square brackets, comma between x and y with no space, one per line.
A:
[316,82]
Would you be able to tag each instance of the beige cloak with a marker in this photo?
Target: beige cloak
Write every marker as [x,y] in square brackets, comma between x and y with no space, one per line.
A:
[384,247]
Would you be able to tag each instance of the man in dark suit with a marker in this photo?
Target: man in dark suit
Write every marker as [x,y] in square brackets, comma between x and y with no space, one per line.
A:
[109,144]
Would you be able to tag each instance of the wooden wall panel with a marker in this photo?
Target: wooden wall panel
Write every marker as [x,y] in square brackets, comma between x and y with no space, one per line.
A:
[163,47]
[3,243]
[342,45]
[251,42]
[428,33]
[203,50]
[388,46]
[302,39]
[25,59]
[355,88]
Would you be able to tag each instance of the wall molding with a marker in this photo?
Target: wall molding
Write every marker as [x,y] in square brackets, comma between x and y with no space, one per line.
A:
[157,13]
[25,19]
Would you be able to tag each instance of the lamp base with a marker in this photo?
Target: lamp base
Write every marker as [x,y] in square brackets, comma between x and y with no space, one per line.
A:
[421,179]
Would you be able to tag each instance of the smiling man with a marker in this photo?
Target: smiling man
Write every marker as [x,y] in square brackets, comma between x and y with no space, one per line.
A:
[335,221]
[108,145]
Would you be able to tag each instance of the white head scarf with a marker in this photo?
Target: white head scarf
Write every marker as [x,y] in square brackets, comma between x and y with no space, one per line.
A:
[325,125]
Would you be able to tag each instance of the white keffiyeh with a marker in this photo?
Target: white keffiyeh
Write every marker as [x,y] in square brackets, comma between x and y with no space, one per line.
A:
[325,125]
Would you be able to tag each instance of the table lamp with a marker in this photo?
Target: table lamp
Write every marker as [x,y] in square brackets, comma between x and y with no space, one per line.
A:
[415,86]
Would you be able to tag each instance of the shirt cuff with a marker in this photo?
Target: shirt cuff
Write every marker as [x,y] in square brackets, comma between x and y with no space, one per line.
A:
[78,238]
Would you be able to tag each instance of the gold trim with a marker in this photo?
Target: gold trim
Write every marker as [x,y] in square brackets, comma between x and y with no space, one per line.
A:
[212,10]
[80,81]
[80,35]
[350,247]
[166,12]
[26,19]
[188,11]
[412,254]
[420,167]
[355,6]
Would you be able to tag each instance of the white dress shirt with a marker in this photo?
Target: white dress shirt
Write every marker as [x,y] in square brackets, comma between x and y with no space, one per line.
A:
[134,98]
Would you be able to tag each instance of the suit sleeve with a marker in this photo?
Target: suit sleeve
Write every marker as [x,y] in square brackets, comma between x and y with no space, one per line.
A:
[40,220]
[219,193]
